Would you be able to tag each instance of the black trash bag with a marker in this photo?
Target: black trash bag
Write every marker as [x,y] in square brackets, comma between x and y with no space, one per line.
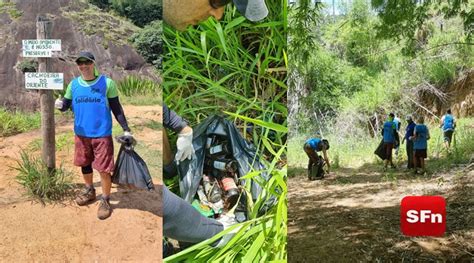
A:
[130,169]
[316,171]
[191,171]
[381,152]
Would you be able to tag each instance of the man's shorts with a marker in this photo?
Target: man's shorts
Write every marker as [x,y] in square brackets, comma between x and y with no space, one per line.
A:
[388,149]
[96,151]
[420,153]
[448,135]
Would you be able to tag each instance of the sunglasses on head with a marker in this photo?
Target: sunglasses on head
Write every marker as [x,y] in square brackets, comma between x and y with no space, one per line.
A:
[84,62]
[218,3]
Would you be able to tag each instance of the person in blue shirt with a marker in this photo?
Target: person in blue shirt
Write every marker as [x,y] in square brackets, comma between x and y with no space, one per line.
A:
[92,97]
[409,133]
[397,122]
[420,138]
[314,145]
[390,139]
[448,124]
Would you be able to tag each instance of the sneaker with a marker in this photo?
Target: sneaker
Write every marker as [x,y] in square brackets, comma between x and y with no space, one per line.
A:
[104,210]
[86,196]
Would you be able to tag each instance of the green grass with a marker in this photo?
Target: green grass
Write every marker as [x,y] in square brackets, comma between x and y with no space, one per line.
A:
[237,68]
[137,91]
[63,141]
[154,125]
[41,184]
[14,122]
[93,21]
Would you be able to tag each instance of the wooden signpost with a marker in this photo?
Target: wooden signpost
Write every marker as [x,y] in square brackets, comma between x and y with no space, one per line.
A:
[43,31]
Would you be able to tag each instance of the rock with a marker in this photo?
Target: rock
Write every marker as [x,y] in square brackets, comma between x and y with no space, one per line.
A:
[80,26]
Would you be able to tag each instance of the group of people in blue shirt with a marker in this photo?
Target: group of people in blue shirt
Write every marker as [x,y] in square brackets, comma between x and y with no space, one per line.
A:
[416,137]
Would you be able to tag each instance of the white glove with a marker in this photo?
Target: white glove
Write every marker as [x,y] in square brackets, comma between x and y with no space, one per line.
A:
[185,146]
[58,104]
[227,221]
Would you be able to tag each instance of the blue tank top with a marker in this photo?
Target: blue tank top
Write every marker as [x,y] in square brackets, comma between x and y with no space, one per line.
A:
[314,142]
[91,109]
[388,132]
[421,141]
[448,122]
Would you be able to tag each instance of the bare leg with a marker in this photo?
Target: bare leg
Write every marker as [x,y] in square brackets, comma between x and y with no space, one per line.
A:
[88,179]
[106,183]
[415,163]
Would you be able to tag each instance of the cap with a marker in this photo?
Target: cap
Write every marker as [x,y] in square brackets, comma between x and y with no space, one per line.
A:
[87,55]
[409,118]
[253,10]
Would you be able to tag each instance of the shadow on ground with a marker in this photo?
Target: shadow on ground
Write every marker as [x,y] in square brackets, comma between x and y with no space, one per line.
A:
[320,230]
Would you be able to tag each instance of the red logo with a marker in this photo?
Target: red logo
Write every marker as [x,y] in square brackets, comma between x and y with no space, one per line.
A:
[423,216]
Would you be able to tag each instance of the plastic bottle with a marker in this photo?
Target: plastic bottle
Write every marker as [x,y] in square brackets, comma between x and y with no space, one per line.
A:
[224,165]
[216,193]
[221,149]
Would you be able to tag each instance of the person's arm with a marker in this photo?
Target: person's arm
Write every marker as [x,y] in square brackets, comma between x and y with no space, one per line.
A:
[117,110]
[63,104]
[413,137]
[442,122]
[115,106]
[173,121]
[427,134]
[326,158]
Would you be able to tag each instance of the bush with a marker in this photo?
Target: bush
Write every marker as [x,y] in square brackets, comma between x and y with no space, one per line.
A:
[28,65]
[40,183]
[149,43]
[102,4]
[141,12]
[131,86]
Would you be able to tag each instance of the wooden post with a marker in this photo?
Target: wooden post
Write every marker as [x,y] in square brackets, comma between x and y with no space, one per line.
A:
[43,31]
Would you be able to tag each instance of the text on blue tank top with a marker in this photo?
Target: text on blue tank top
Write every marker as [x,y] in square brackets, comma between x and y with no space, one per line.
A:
[92,116]
[421,137]
[313,142]
[388,131]
[448,122]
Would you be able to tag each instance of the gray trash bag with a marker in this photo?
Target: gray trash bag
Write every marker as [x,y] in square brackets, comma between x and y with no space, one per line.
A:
[191,171]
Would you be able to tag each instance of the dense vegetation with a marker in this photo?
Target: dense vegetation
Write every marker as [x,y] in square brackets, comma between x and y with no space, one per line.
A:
[354,72]
[237,68]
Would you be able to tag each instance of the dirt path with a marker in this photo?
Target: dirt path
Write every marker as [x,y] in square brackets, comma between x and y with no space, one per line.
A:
[353,216]
[65,232]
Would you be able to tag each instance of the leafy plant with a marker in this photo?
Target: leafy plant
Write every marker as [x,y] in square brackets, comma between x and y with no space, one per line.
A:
[141,12]
[131,86]
[239,68]
[149,43]
[39,182]
[28,65]
[14,122]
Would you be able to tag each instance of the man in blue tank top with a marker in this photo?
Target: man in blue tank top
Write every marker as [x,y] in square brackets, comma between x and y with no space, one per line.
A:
[314,145]
[390,138]
[448,124]
[420,138]
[92,96]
